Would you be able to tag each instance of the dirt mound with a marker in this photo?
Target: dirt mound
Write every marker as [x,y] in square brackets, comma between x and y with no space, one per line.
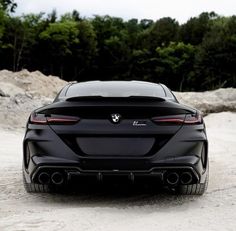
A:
[22,92]
[223,99]
[33,83]
[15,110]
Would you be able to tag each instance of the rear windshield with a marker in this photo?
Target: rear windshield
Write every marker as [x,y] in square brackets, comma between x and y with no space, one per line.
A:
[115,89]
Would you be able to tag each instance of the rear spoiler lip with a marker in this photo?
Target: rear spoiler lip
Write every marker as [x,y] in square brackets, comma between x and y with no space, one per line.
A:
[118,101]
[65,105]
[102,98]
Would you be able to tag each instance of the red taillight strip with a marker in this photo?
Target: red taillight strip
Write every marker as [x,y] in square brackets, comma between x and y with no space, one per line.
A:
[62,120]
[169,120]
[41,120]
[189,119]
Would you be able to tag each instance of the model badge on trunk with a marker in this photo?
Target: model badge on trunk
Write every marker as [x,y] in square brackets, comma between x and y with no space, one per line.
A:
[115,118]
[139,123]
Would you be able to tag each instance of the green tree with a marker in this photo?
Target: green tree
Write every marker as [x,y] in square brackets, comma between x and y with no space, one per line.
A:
[194,30]
[162,32]
[2,19]
[142,66]
[146,23]
[84,53]
[197,55]
[176,65]
[8,5]
[112,49]
[216,57]
[58,40]
[13,40]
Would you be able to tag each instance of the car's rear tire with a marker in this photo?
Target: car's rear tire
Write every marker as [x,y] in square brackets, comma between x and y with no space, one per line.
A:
[35,188]
[194,189]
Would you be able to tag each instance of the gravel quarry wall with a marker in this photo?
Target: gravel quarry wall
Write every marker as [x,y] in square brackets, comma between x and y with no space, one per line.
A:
[22,92]
[223,99]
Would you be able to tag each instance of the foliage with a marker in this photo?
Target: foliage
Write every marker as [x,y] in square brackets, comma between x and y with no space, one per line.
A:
[216,57]
[197,55]
[176,65]
[8,5]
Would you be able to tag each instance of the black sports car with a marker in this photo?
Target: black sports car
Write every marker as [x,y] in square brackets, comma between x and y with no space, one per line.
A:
[107,130]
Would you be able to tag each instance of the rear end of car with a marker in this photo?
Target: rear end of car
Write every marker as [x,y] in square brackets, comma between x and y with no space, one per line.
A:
[98,139]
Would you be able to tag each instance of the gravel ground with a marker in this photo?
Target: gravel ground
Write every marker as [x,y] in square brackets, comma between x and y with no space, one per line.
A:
[216,210]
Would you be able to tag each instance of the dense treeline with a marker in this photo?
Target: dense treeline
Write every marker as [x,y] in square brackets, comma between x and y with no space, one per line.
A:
[197,55]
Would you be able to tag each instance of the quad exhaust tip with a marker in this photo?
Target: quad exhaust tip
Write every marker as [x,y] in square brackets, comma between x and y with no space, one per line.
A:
[44,178]
[186,178]
[172,178]
[57,178]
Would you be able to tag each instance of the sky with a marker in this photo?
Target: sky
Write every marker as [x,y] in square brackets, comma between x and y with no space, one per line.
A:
[181,10]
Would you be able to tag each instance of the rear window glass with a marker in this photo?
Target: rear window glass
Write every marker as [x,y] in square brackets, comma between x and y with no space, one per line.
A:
[115,89]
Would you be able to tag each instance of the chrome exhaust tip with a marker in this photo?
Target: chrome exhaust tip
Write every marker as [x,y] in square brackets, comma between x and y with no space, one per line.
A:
[57,178]
[44,178]
[172,178]
[186,178]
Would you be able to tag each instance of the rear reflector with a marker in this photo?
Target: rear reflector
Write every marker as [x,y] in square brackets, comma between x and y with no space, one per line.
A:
[53,119]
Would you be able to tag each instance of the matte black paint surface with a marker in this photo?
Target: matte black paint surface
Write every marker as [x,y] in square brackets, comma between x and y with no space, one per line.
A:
[96,144]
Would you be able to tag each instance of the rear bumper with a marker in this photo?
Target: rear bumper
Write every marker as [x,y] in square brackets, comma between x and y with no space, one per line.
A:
[157,172]
[47,152]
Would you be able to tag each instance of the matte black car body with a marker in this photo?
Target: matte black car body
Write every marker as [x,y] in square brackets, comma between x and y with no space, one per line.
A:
[131,129]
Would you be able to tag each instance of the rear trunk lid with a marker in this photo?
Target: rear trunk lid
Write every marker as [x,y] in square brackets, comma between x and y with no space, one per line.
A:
[98,134]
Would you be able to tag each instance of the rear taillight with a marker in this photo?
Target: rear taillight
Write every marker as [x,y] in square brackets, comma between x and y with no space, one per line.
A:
[53,119]
[62,120]
[38,119]
[193,119]
[179,119]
